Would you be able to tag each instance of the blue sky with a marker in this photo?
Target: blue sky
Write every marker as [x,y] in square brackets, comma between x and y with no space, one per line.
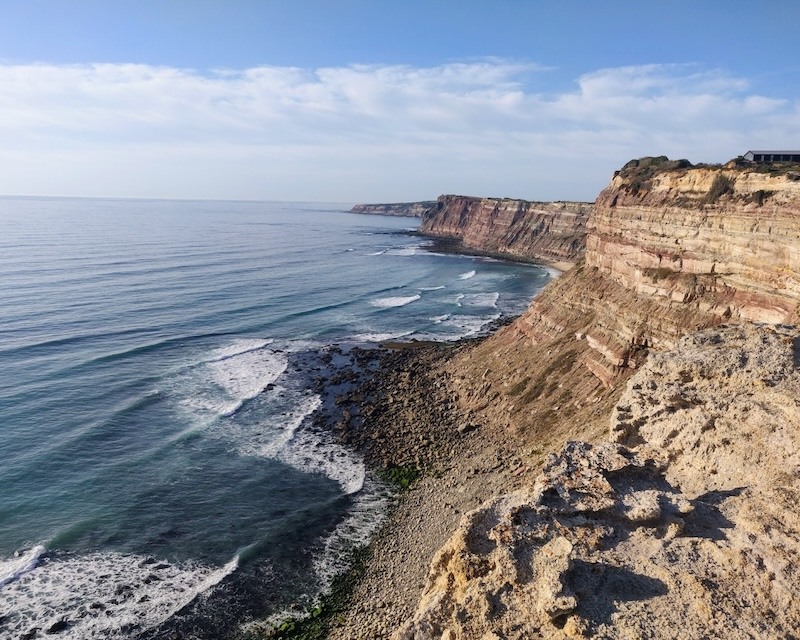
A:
[357,100]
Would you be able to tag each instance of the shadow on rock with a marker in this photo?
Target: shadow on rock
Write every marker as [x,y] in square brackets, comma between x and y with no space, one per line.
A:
[600,587]
[706,520]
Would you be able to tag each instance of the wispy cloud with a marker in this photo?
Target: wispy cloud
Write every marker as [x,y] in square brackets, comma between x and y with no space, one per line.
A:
[365,131]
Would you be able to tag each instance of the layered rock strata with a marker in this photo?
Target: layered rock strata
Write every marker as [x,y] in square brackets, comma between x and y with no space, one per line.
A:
[670,249]
[685,526]
[724,241]
[548,231]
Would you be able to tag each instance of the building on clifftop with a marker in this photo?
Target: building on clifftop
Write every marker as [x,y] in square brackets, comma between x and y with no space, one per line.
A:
[772,156]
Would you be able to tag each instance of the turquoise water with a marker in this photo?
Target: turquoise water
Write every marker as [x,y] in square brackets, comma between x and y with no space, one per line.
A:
[158,456]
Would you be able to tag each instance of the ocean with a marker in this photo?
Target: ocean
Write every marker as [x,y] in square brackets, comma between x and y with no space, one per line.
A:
[158,459]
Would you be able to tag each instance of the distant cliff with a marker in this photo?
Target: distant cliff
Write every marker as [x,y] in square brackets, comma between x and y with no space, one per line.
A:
[549,231]
[405,209]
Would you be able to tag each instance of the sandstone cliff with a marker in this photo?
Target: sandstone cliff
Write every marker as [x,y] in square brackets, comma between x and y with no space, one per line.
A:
[688,519]
[546,231]
[681,521]
[670,249]
[405,209]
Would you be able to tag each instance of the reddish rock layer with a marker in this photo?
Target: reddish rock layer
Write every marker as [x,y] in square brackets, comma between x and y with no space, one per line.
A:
[550,231]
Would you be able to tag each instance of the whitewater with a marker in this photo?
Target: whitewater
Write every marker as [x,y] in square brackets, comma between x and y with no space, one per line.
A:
[159,379]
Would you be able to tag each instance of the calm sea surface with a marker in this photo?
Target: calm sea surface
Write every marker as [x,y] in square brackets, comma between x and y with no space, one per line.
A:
[156,448]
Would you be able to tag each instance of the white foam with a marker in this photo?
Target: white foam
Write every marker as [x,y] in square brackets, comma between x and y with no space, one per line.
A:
[398,301]
[552,271]
[458,326]
[377,253]
[267,440]
[482,299]
[405,251]
[102,594]
[440,319]
[317,452]
[238,346]
[367,514]
[232,375]
[466,326]
[441,286]
[467,275]
[380,337]
[24,561]
[456,299]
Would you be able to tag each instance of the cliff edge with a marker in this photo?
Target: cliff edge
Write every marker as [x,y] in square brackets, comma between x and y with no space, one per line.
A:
[685,525]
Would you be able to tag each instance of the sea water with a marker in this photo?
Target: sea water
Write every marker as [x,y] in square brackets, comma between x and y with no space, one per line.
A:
[157,454]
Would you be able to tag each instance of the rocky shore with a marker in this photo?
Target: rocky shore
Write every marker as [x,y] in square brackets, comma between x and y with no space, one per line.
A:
[401,411]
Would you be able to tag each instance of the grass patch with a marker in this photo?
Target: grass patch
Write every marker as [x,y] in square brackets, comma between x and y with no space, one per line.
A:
[722,184]
[317,621]
[400,477]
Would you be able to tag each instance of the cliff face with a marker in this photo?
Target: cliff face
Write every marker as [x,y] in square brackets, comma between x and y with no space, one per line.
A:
[549,231]
[723,241]
[405,209]
[670,249]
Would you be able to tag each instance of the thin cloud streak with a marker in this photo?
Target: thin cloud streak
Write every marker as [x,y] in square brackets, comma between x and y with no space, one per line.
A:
[364,132]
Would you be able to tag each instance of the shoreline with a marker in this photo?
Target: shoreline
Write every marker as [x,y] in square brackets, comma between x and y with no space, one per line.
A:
[455,246]
[392,403]
[414,421]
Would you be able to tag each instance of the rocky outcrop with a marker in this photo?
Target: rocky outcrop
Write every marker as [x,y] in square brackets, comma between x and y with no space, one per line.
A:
[404,209]
[684,526]
[547,231]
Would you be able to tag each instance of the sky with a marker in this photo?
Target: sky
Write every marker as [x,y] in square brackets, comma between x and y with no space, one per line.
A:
[383,101]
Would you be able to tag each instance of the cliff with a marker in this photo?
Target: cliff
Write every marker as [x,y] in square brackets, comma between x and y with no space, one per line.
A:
[670,249]
[687,518]
[543,231]
[405,209]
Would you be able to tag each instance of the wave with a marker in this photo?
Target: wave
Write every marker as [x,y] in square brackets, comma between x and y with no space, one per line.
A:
[20,564]
[230,376]
[455,327]
[441,286]
[288,439]
[467,275]
[482,299]
[398,301]
[102,594]
[380,337]
[377,253]
[405,251]
[365,517]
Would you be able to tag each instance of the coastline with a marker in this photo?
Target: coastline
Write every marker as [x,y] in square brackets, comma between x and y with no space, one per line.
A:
[414,422]
[396,406]
[447,244]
